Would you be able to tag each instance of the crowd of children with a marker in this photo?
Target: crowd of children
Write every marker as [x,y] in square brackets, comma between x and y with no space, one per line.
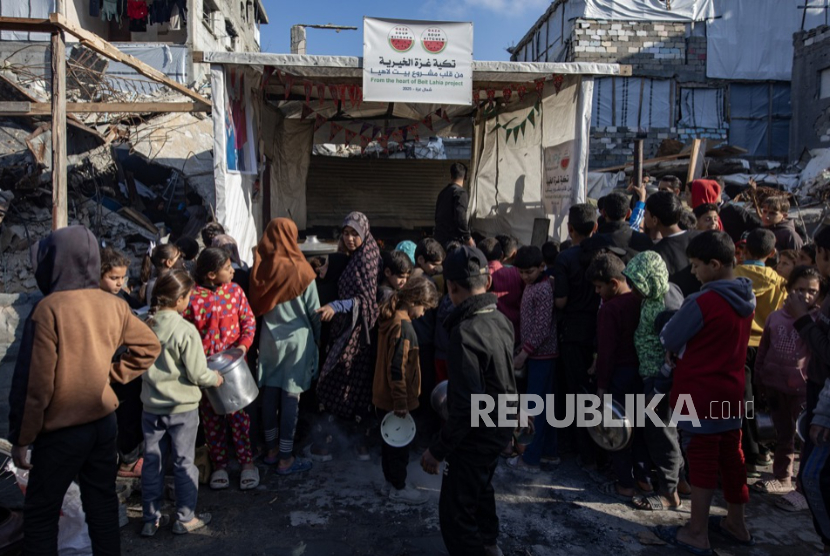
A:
[675,293]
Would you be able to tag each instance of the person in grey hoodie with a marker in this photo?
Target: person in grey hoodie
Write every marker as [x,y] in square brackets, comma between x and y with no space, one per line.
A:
[171,396]
[709,337]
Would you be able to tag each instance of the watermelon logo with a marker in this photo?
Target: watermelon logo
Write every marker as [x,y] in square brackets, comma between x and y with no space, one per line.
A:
[564,163]
[434,40]
[401,39]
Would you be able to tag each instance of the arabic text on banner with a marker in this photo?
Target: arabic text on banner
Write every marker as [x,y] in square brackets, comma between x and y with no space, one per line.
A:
[558,178]
[417,61]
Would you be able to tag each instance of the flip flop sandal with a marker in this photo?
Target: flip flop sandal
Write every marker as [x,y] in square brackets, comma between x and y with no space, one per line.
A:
[249,479]
[715,524]
[653,503]
[610,489]
[299,466]
[773,486]
[669,534]
[149,529]
[200,521]
[219,480]
[793,501]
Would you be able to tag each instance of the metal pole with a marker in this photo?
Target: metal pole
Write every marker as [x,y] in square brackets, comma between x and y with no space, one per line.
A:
[60,216]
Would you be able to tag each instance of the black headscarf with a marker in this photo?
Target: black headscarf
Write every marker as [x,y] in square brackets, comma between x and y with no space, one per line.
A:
[67,259]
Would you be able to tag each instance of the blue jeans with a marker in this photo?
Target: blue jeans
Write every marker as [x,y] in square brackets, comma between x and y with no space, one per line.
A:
[540,381]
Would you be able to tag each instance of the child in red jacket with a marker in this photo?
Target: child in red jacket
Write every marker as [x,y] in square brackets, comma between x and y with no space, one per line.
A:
[709,335]
[219,309]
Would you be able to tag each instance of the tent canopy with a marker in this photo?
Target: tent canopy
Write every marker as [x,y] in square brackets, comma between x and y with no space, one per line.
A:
[280,96]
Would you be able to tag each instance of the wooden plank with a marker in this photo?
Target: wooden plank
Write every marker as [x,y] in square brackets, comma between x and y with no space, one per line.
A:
[60,204]
[26,24]
[645,162]
[696,160]
[637,176]
[99,45]
[45,108]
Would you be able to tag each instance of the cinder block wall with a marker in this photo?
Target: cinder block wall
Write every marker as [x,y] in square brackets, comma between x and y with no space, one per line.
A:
[811,114]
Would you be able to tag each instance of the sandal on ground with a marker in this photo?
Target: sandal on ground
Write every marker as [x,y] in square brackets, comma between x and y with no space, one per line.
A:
[150,527]
[518,464]
[653,503]
[669,534]
[249,479]
[715,524]
[793,501]
[219,480]
[610,489]
[133,472]
[772,486]
[319,458]
[298,466]
[269,460]
[198,522]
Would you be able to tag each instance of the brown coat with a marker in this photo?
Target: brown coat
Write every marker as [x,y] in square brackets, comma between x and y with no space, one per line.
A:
[75,334]
[397,383]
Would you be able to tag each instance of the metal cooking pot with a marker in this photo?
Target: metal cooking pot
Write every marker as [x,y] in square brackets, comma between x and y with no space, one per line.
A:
[613,438]
[239,389]
[438,400]
[764,428]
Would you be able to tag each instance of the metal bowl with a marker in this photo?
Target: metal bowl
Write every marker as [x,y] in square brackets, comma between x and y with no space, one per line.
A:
[613,438]
[438,400]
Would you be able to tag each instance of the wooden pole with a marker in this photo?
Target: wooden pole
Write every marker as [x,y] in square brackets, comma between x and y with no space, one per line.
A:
[696,160]
[637,175]
[60,216]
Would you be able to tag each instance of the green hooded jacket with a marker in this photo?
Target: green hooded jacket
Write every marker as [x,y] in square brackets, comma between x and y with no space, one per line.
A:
[648,274]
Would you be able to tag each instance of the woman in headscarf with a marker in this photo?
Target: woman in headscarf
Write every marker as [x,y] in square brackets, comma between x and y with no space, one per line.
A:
[345,386]
[283,291]
[706,192]
[649,278]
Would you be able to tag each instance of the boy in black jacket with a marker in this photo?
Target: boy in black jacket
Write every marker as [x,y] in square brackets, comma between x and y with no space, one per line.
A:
[478,333]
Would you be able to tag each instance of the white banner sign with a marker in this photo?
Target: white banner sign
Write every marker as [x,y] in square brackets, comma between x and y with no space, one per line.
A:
[417,61]
[558,177]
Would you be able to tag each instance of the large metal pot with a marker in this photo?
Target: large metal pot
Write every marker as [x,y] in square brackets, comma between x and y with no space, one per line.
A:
[613,438]
[238,389]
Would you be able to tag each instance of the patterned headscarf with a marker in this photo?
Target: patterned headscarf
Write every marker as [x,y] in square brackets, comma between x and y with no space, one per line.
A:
[648,274]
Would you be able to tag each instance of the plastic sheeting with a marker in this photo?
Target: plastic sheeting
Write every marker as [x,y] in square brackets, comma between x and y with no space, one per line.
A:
[617,101]
[508,174]
[39,9]
[753,39]
[235,203]
[650,10]
[751,124]
[171,60]
[701,108]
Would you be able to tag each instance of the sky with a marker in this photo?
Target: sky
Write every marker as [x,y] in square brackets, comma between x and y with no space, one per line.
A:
[497,24]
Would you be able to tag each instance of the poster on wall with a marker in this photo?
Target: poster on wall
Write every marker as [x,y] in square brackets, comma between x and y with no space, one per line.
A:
[240,138]
[417,61]
[558,177]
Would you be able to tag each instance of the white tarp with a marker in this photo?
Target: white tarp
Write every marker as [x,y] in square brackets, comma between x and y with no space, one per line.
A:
[753,39]
[619,102]
[417,61]
[701,108]
[650,10]
[509,174]
[235,203]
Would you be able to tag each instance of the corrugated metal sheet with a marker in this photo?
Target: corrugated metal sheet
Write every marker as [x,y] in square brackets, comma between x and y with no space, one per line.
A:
[391,193]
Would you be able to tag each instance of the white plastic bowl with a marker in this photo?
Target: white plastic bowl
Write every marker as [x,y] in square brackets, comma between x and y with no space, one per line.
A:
[397,431]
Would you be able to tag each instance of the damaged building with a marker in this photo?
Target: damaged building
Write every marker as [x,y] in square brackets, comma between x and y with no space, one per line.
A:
[138,131]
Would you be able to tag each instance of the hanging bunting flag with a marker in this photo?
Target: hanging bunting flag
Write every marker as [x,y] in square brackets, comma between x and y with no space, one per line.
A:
[289,81]
[321,93]
[349,136]
[352,90]
[491,97]
[307,87]
[335,129]
[307,111]
[341,94]
[445,116]
[375,131]
[333,93]
[476,95]
[364,142]
[507,93]
[267,71]
[522,91]
[540,87]
[532,117]
[318,122]
[428,122]
[558,80]
[363,128]
[405,133]
[522,127]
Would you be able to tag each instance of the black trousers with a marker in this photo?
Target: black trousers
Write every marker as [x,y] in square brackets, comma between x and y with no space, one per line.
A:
[575,360]
[467,506]
[87,452]
[749,440]
[128,414]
